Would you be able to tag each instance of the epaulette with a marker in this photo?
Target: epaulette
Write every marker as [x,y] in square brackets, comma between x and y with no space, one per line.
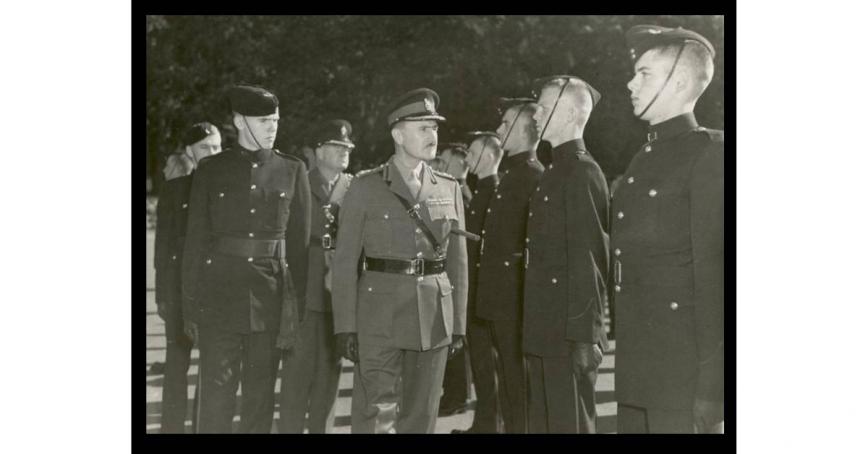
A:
[286,155]
[443,174]
[373,171]
[716,135]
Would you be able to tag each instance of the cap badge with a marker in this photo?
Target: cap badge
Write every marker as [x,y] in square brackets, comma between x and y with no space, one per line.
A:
[429,105]
[654,31]
[343,131]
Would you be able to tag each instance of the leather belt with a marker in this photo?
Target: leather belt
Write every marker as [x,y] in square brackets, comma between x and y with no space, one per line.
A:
[326,242]
[414,267]
[245,247]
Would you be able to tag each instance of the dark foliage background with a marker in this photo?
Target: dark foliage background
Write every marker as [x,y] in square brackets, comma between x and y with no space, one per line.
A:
[352,66]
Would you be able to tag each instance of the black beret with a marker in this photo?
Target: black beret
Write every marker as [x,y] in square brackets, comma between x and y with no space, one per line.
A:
[508,103]
[335,132]
[196,133]
[562,79]
[249,100]
[415,105]
[642,38]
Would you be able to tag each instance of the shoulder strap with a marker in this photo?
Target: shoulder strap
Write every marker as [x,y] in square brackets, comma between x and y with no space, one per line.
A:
[413,211]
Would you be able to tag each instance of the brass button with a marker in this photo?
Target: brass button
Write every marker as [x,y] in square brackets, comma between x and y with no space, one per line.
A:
[252,210]
[647,148]
[477,265]
[630,180]
[505,263]
[551,166]
[488,210]
[476,191]
[617,252]
[498,196]
[527,240]
[221,194]
[537,189]
[546,199]
[507,172]
[283,194]
[250,234]
[370,289]
[652,193]
[620,215]
[554,280]
[208,261]
[673,305]
[249,259]
[418,230]
[483,231]
[618,289]
[472,212]
[174,257]
[252,186]
[184,206]
[386,216]
[530,214]
[255,165]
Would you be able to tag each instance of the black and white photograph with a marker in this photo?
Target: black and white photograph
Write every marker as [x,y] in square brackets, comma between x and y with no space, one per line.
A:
[435,224]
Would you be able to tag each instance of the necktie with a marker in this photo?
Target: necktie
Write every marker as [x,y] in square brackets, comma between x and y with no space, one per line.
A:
[414,184]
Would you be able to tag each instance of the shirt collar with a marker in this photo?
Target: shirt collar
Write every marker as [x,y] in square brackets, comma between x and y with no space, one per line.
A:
[672,127]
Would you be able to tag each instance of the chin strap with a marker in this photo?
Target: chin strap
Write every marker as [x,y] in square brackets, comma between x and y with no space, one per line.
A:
[484,144]
[555,106]
[251,132]
[669,76]
[514,121]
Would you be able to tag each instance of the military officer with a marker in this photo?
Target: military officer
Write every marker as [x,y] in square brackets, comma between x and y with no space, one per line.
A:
[667,244]
[245,265]
[400,316]
[501,276]
[198,142]
[566,260]
[484,157]
[456,381]
[312,368]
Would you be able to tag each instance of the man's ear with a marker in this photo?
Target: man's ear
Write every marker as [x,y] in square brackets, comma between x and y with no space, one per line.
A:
[397,136]
[237,121]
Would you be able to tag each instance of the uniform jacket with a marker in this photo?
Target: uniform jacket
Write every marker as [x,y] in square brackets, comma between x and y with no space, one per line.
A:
[475,217]
[667,239]
[169,249]
[501,275]
[241,194]
[318,296]
[395,310]
[567,254]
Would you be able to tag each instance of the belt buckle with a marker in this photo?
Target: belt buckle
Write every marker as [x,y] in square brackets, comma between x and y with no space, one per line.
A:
[418,265]
[327,242]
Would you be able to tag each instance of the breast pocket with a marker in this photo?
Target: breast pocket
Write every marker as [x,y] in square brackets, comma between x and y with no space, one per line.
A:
[442,216]
[379,223]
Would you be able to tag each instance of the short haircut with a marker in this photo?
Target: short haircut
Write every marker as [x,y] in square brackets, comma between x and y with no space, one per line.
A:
[527,111]
[577,92]
[695,61]
[460,151]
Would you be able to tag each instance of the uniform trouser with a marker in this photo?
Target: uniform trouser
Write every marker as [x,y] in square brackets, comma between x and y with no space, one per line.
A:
[227,358]
[506,339]
[480,347]
[174,406]
[639,420]
[558,402]
[455,381]
[384,408]
[309,378]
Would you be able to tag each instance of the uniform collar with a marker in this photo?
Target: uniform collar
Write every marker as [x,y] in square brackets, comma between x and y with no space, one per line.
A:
[516,160]
[672,127]
[568,149]
[258,156]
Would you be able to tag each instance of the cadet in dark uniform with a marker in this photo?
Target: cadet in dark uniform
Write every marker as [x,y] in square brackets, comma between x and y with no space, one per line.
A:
[199,141]
[484,156]
[667,245]
[566,260]
[501,275]
[245,265]
[406,310]
[311,370]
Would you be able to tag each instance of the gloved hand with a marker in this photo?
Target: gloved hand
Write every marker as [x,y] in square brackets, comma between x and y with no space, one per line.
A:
[347,345]
[191,329]
[456,346]
[706,414]
[585,357]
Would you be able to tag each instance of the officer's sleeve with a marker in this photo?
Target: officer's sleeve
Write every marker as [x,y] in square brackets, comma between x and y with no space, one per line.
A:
[706,227]
[161,245]
[345,269]
[195,243]
[298,234]
[587,245]
[456,269]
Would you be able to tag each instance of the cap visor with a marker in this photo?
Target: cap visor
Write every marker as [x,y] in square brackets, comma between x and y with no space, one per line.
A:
[339,142]
[423,117]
